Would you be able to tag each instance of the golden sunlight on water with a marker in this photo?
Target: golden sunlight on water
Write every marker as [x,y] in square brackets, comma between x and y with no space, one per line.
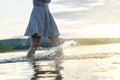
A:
[75,50]
[72,69]
[93,49]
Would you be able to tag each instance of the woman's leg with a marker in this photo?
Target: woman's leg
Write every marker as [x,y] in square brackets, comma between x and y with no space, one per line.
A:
[56,42]
[35,40]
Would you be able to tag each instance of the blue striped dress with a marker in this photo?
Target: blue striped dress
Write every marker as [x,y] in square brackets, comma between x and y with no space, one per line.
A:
[41,21]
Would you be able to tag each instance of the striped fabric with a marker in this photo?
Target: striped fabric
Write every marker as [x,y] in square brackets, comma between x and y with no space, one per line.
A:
[41,20]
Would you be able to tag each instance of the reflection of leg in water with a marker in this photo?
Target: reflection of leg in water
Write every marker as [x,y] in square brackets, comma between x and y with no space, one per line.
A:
[48,71]
[58,68]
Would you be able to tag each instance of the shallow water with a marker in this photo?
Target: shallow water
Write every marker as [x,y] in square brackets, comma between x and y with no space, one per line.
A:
[84,65]
[42,70]
[58,70]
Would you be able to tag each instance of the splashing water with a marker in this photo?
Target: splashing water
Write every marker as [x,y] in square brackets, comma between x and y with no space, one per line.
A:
[49,54]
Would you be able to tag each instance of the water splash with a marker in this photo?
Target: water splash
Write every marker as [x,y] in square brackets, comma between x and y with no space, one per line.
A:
[49,54]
